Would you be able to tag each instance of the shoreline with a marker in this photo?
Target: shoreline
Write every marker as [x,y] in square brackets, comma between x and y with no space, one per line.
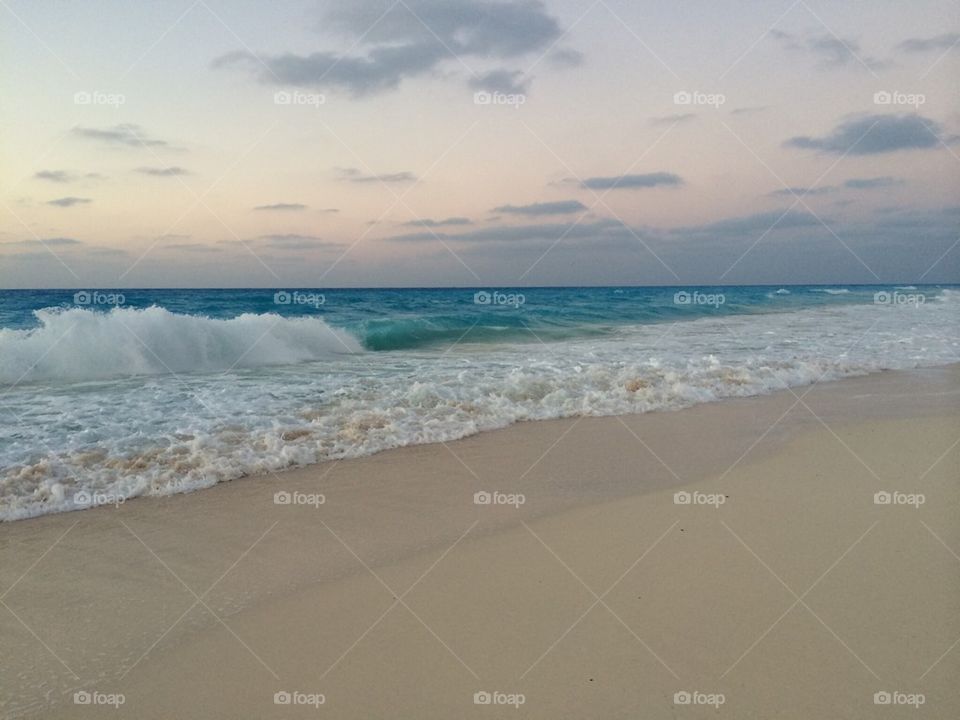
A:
[596,491]
[321,464]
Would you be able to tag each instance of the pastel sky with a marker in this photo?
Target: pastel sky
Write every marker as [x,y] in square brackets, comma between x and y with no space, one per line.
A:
[327,143]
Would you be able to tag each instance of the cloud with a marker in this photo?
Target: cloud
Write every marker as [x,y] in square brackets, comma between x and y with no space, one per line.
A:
[674,119]
[295,241]
[58,176]
[45,242]
[124,134]
[397,41]
[875,134]
[632,182]
[566,57]
[427,222]
[509,82]
[870,183]
[938,42]
[802,191]
[830,51]
[172,171]
[746,225]
[522,233]
[283,206]
[193,247]
[748,110]
[66,202]
[560,207]
[354,175]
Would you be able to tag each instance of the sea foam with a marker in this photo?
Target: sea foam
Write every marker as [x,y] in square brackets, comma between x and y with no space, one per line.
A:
[80,344]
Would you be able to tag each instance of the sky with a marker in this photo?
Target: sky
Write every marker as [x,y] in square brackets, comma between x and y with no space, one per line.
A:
[371,143]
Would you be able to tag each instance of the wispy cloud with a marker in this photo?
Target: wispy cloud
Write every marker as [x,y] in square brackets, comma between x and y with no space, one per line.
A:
[937,42]
[803,191]
[58,176]
[172,171]
[50,242]
[674,119]
[830,51]
[871,183]
[427,222]
[282,206]
[125,134]
[356,176]
[510,82]
[66,202]
[632,182]
[875,134]
[560,207]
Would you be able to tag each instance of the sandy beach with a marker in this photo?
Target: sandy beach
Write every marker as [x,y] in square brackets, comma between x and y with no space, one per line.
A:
[732,559]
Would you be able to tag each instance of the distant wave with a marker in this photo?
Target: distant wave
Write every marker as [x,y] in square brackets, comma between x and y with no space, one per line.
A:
[79,344]
[831,291]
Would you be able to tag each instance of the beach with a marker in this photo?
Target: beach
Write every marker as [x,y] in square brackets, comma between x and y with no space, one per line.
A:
[731,558]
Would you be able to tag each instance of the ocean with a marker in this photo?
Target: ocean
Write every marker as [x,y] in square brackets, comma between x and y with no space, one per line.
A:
[112,394]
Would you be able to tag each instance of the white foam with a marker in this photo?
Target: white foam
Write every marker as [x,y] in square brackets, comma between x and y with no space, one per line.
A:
[79,344]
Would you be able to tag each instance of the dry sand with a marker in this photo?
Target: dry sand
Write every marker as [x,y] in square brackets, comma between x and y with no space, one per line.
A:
[599,597]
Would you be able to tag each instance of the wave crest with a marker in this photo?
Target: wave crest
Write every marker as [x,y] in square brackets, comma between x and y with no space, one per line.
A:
[80,344]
